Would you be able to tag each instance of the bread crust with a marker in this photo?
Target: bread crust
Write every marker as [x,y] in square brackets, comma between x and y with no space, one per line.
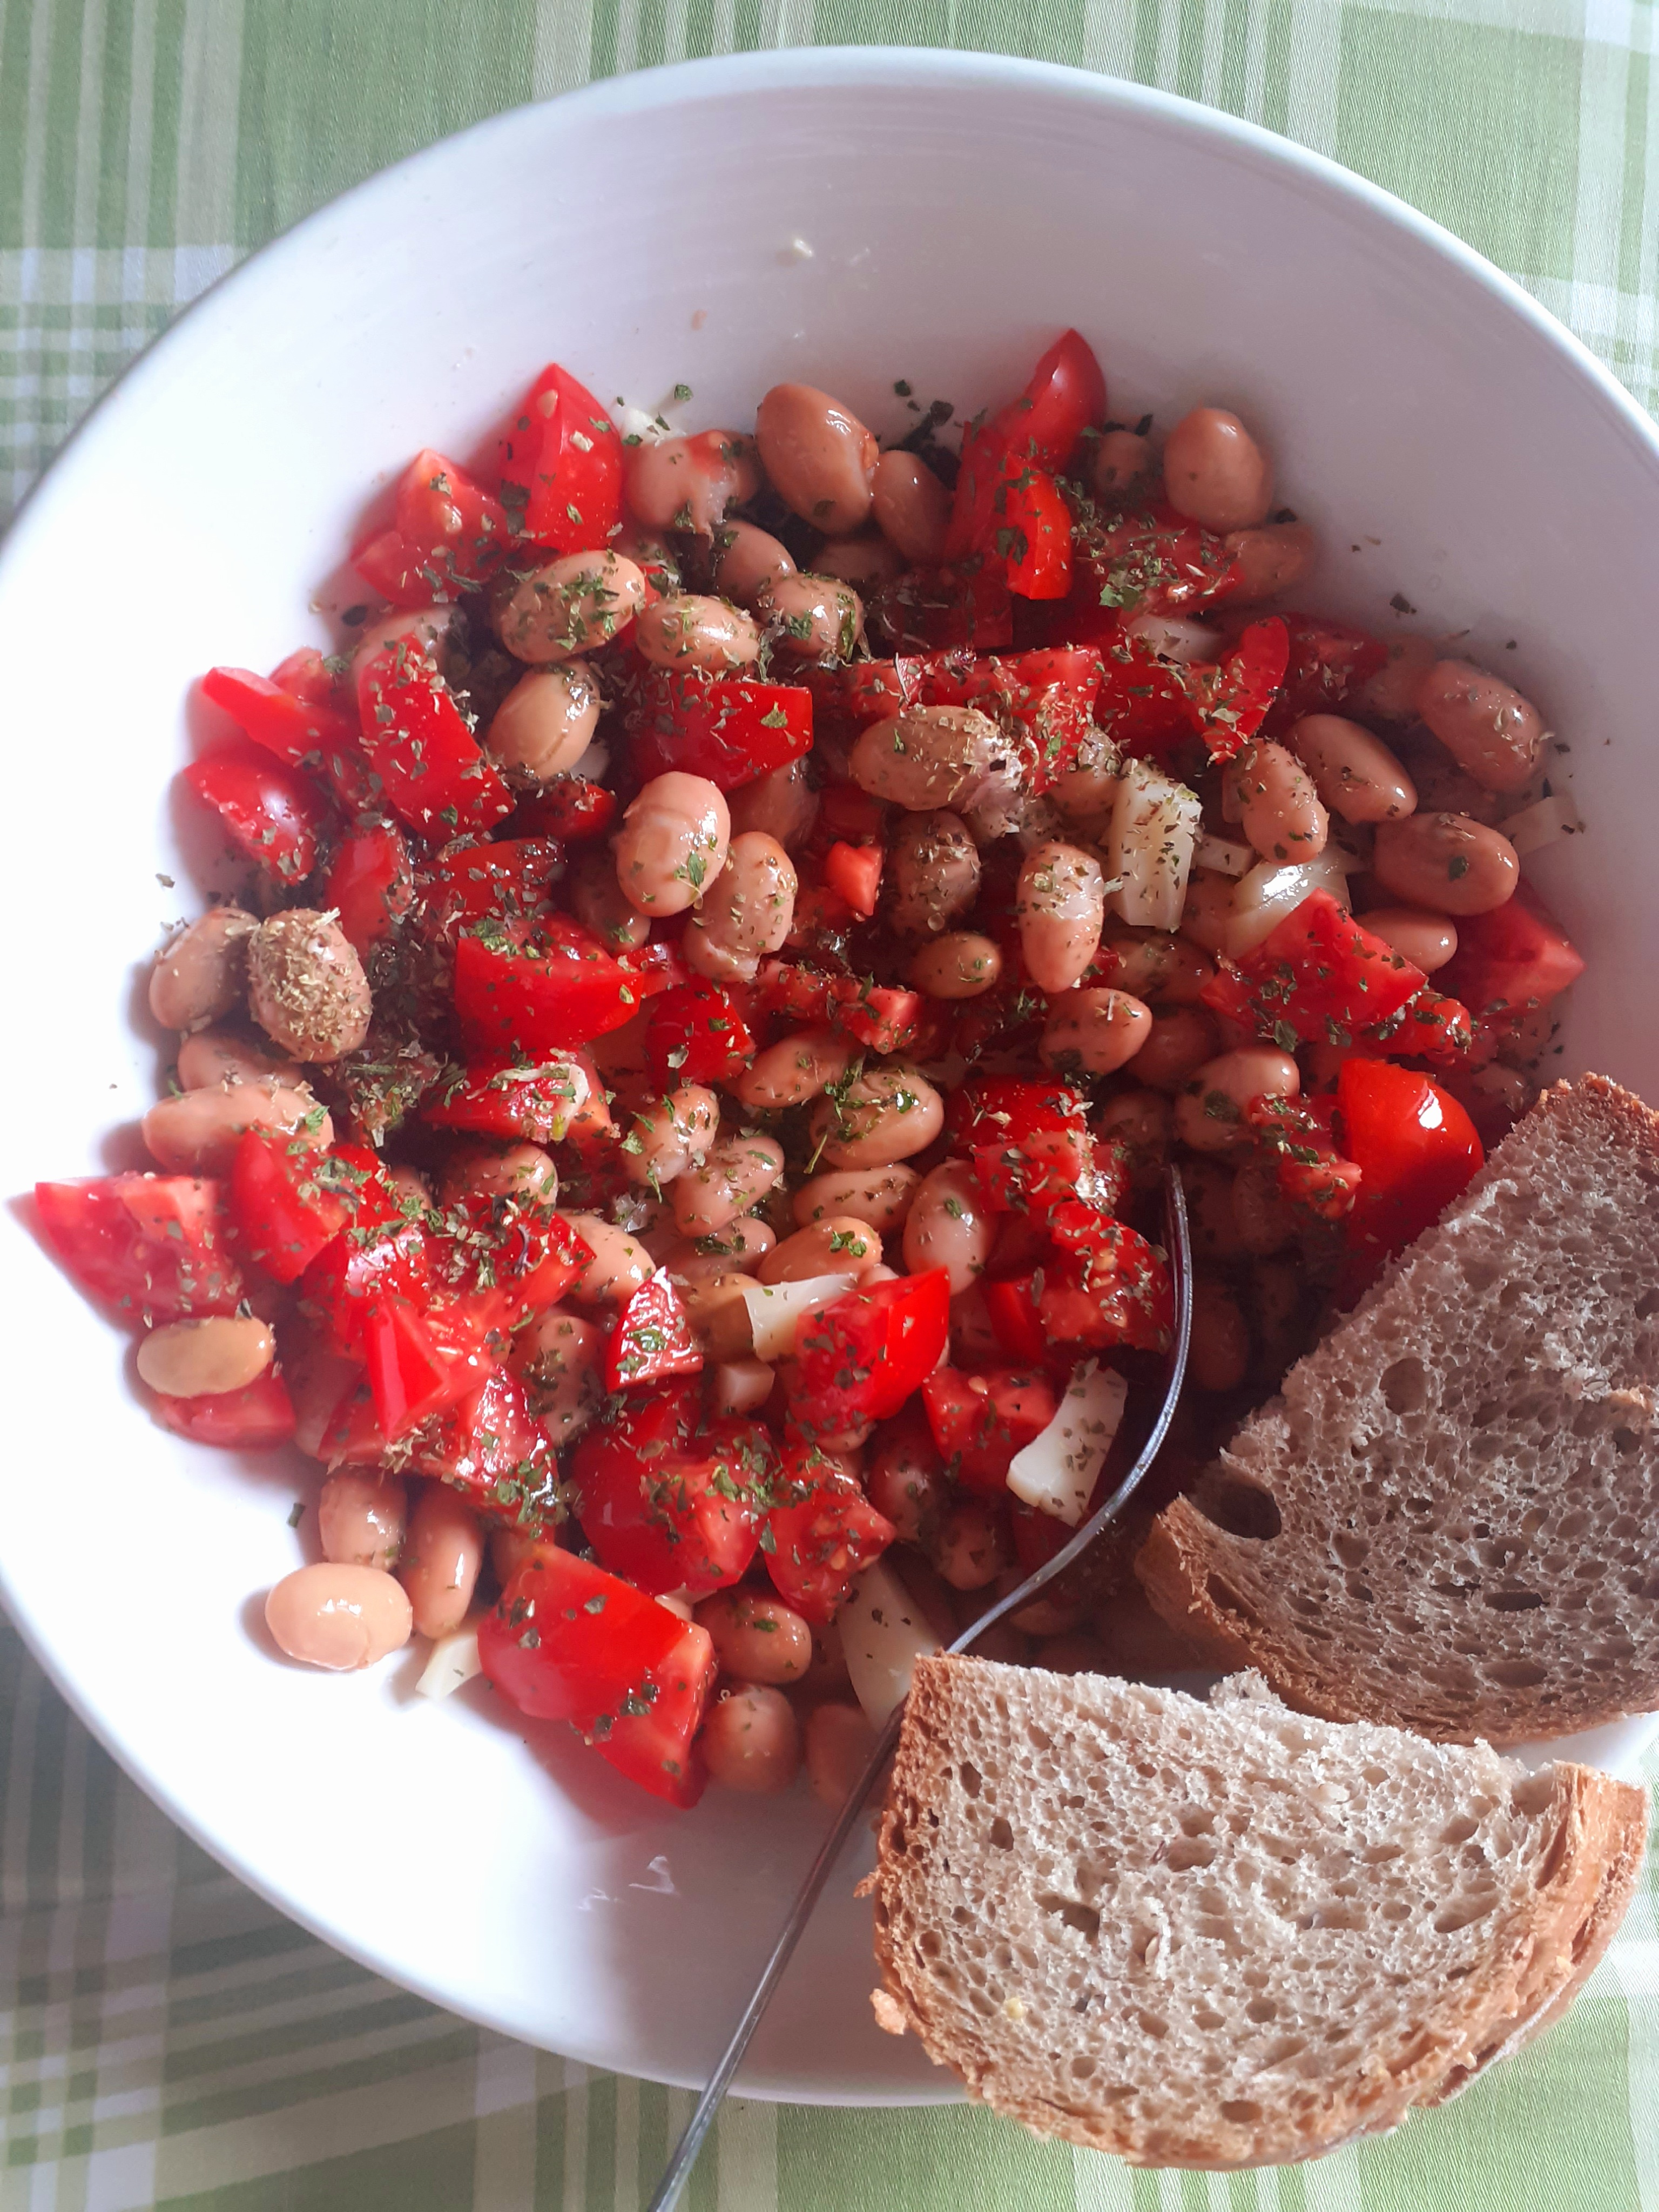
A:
[1354,1611]
[1536,1963]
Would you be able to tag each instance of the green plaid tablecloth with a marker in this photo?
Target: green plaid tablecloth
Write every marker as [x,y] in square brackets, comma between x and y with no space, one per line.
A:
[168,2040]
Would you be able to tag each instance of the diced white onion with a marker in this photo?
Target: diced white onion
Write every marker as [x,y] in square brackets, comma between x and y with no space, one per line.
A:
[1057,1472]
[883,1632]
[1272,889]
[676,1602]
[1149,846]
[1172,639]
[455,1660]
[775,1308]
[636,422]
[1225,858]
[1545,821]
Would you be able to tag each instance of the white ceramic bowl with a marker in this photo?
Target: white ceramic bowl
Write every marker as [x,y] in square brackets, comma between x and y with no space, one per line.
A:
[848,217]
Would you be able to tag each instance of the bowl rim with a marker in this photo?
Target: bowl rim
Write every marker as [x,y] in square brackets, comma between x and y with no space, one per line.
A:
[690,83]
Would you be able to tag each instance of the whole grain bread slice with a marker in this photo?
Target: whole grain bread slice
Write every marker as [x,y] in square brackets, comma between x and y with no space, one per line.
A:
[1449,1517]
[1223,1935]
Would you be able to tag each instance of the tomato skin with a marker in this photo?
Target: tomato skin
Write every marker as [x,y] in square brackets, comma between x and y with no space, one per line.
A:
[653,1338]
[1114,1291]
[595,1637]
[273,814]
[1148,560]
[979,1421]
[1312,1174]
[431,768]
[1005,1110]
[570,808]
[491,1446]
[1512,959]
[657,1749]
[510,880]
[156,1249]
[698,1032]
[1012,1307]
[1065,394]
[725,728]
[258,1415]
[562,466]
[543,996]
[380,1250]
[672,1511]
[861,1358]
[853,872]
[288,1200]
[1234,697]
[523,1105]
[1326,661]
[1043,1169]
[447,529]
[408,1377]
[1429,1026]
[821,1536]
[1416,1149]
[296,720]
[1317,977]
[371,882]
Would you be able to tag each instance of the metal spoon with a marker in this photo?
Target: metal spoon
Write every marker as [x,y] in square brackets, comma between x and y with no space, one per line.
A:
[690,2142]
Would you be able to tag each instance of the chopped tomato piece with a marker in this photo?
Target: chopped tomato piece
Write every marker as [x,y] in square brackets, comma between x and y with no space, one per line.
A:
[1148,560]
[656,1747]
[879,1017]
[408,1376]
[430,767]
[381,1250]
[1312,1173]
[491,1446]
[697,1033]
[1006,1110]
[510,880]
[853,872]
[562,466]
[1065,396]
[544,993]
[861,1358]
[653,1338]
[156,1248]
[300,722]
[931,610]
[1030,531]
[289,1200]
[1050,694]
[821,1535]
[273,814]
[258,1415]
[1327,660]
[1416,1149]
[1039,1170]
[1012,1307]
[1116,1290]
[979,1421]
[1146,706]
[672,1511]
[1429,1027]
[370,883]
[1514,959]
[1234,697]
[447,532]
[522,1104]
[570,807]
[1317,978]
[726,728]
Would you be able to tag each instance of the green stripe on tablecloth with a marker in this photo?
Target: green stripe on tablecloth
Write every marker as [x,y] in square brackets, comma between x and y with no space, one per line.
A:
[164,2038]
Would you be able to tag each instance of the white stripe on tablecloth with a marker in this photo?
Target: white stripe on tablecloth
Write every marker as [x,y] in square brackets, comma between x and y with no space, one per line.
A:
[504,2144]
[746,2154]
[1101,2184]
[561,54]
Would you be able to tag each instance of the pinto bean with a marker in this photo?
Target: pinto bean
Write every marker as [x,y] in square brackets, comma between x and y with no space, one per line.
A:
[1062,908]
[441,1556]
[1141,1125]
[671,1136]
[881,1196]
[1209,1114]
[751,1740]
[933,870]
[672,843]
[929,757]
[970,1544]
[867,562]
[620,1264]
[560,1357]
[693,630]
[888,1113]
[815,618]
[360,1518]
[688,483]
[821,459]
[1491,732]
[337,1616]
[210,1058]
[737,1173]
[1152,966]
[781,805]
[1268,560]
[907,1484]
[958,965]
[1215,472]
[1390,696]
[749,911]
[570,606]
[912,508]
[747,562]
[792,1071]
[1427,940]
[1122,461]
[1446,862]
[840,1245]
[1279,810]
[1207,914]
[949,1226]
[546,721]
[305,986]
[1355,774]
[1093,1032]
[203,1359]
[758,1639]
[1178,1043]
[201,976]
[521,1174]
[198,1133]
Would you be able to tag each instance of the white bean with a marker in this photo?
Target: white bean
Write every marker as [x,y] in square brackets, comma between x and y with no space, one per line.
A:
[360,1518]
[198,1133]
[693,630]
[546,721]
[737,1173]
[441,1556]
[1061,908]
[570,606]
[689,482]
[815,618]
[305,986]
[747,914]
[881,1196]
[671,1136]
[1209,1114]
[821,459]
[1215,472]
[912,507]
[747,562]
[618,1268]
[933,870]
[949,1226]
[337,1616]
[888,1113]
[672,843]
[930,757]
[203,1359]
[958,965]
[202,975]
[792,1071]
[1093,1032]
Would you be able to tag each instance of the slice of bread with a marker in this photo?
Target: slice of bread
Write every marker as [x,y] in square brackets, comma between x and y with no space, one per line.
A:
[1223,1935]
[1449,1517]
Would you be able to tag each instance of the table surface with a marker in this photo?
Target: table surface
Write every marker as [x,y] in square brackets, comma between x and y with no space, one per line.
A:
[166,2038]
